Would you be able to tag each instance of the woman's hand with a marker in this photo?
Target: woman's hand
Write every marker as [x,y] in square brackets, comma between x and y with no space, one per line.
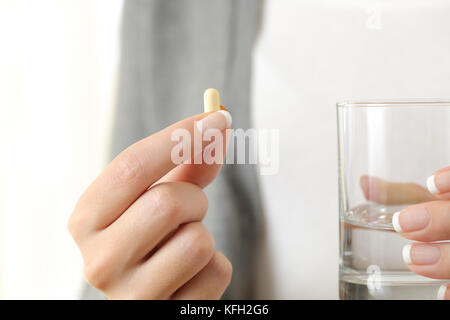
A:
[428,223]
[139,224]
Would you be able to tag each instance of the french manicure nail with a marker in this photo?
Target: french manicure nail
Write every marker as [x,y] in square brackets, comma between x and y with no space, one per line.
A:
[439,182]
[431,185]
[227,117]
[396,222]
[219,120]
[406,254]
[421,254]
[411,219]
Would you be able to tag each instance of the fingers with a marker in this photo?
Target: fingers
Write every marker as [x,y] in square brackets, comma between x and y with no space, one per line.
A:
[429,260]
[183,256]
[425,222]
[428,222]
[138,224]
[133,171]
[150,220]
[210,283]
[385,192]
[439,183]
[198,174]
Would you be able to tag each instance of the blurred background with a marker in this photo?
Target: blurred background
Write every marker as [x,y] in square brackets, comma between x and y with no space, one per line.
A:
[58,70]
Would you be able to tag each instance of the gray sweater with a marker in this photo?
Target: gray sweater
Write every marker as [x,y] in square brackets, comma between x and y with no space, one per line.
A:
[190,46]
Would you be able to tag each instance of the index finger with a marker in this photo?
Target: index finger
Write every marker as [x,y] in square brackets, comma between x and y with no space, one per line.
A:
[439,183]
[136,168]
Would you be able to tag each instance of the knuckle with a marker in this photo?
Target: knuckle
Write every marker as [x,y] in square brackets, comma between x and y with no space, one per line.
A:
[78,222]
[222,268]
[197,197]
[169,200]
[201,243]
[203,202]
[75,225]
[129,167]
[166,200]
[95,273]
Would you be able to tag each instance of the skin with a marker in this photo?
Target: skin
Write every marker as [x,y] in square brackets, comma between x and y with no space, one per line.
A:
[139,225]
[438,208]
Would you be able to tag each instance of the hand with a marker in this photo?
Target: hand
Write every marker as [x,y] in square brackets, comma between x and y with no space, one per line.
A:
[138,225]
[429,222]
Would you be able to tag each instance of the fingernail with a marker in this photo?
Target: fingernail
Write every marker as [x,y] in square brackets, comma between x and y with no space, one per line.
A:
[439,182]
[406,254]
[396,222]
[219,120]
[431,185]
[442,292]
[411,219]
[421,254]
[227,117]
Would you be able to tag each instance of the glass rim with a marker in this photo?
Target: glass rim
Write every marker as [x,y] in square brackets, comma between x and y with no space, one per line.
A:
[393,103]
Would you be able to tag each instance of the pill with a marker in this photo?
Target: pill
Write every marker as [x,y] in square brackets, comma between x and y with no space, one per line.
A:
[211,99]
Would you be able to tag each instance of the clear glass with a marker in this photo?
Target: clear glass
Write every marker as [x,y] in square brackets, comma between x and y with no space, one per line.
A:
[387,150]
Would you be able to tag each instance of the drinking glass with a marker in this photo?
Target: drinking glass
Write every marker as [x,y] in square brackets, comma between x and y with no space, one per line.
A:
[387,150]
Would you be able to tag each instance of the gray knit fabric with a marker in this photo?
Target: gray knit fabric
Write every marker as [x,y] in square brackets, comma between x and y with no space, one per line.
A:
[171,51]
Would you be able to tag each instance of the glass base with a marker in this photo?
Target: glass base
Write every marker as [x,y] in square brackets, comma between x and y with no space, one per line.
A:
[387,286]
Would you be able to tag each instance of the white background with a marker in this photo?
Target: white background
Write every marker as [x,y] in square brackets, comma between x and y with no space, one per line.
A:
[58,62]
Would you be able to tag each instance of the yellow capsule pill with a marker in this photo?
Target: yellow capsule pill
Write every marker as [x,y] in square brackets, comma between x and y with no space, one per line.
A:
[211,99]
